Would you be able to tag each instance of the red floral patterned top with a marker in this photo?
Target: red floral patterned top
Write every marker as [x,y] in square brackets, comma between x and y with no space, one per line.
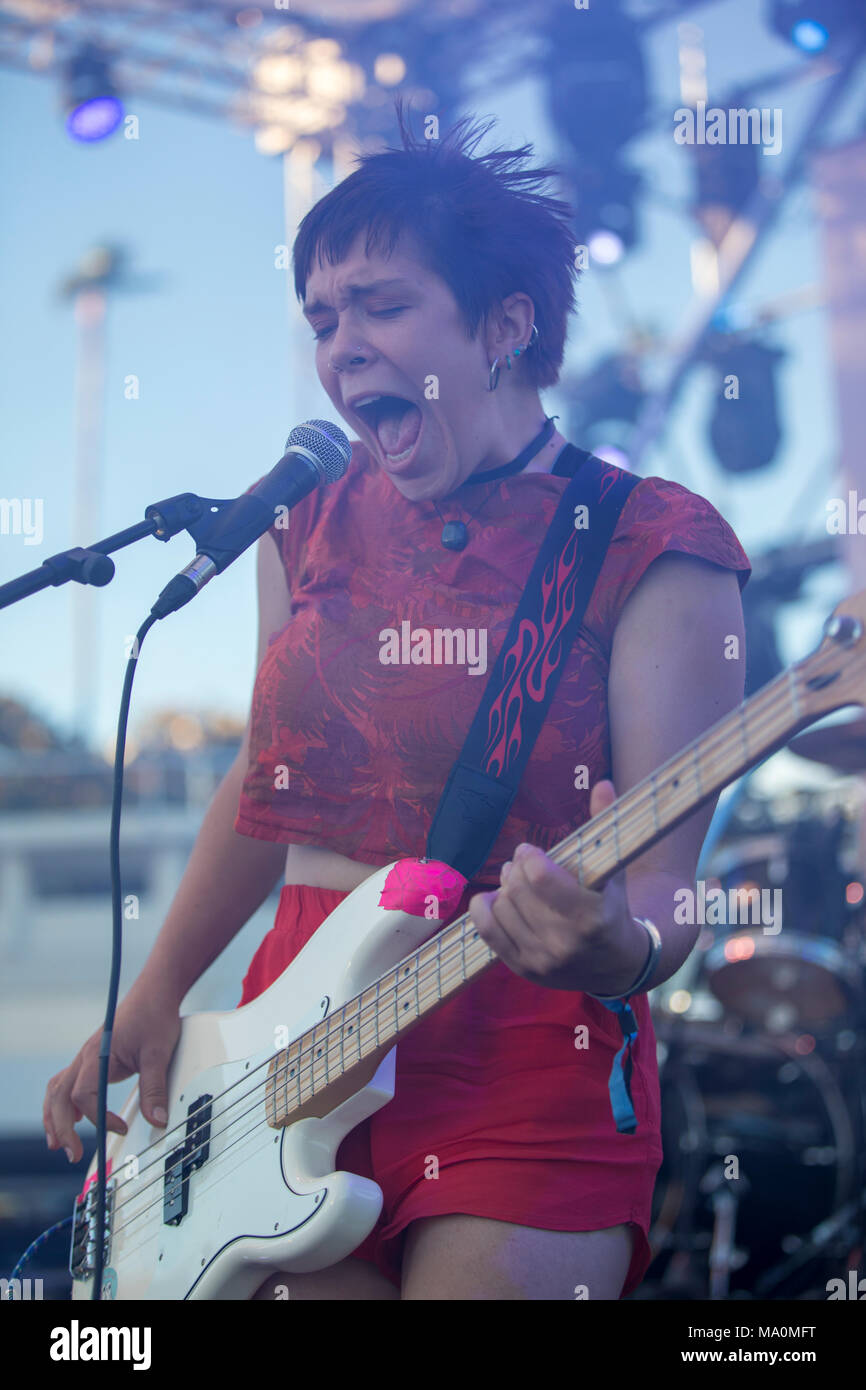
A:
[352,740]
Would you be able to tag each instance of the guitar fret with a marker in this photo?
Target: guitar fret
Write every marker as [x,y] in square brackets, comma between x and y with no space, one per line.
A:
[439,965]
[696,761]
[655,797]
[616,836]
[313,1062]
[297,1068]
[417,995]
[396,1001]
[343,1040]
[376,1009]
[580,857]
[463,952]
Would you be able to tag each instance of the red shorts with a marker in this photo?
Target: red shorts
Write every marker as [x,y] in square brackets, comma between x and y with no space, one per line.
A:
[501,1107]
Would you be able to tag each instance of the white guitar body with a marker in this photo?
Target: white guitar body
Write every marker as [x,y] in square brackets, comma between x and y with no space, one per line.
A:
[264,1199]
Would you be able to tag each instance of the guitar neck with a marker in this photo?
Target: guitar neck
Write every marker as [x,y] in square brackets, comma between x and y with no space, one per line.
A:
[606,844]
[368,1025]
[651,808]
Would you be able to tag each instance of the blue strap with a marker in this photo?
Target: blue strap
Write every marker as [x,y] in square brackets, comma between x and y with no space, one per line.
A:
[619,1085]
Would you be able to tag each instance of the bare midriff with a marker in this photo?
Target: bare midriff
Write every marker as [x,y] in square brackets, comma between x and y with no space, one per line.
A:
[323,868]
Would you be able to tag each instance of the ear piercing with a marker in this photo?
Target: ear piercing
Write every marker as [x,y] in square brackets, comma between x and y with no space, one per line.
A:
[493,376]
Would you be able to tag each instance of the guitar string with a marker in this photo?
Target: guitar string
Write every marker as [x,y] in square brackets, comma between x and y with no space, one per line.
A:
[457,944]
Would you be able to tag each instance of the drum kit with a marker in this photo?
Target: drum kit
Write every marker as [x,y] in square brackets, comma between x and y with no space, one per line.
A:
[762,1057]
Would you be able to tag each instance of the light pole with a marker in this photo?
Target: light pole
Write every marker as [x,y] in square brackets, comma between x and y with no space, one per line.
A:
[99,271]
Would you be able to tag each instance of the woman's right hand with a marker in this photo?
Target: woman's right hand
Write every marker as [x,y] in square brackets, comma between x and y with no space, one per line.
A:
[146,1030]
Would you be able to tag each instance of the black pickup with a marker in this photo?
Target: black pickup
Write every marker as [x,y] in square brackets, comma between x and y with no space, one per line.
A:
[192,1154]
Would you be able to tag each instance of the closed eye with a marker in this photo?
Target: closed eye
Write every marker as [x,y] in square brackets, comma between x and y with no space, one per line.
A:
[375,313]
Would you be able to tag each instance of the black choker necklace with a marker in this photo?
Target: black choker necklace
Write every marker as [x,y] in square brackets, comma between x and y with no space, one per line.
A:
[455,534]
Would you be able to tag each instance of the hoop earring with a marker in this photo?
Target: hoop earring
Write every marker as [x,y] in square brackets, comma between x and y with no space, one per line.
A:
[493,380]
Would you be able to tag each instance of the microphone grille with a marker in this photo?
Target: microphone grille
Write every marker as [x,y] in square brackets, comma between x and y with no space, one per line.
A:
[327,442]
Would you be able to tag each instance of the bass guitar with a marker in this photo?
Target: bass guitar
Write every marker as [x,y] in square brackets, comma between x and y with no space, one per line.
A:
[242,1183]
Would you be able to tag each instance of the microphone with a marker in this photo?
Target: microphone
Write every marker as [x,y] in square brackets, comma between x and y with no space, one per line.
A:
[317,453]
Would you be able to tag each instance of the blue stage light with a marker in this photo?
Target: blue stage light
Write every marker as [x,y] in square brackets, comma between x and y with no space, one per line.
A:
[93,108]
[809,35]
[815,25]
[94,120]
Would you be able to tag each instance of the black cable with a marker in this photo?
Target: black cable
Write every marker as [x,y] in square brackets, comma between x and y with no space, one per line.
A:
[116,948]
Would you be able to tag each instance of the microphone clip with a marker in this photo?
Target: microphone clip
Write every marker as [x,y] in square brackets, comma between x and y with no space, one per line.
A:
[186,512]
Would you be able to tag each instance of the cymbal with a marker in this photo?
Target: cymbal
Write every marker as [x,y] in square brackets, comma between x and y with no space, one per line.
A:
[840,746]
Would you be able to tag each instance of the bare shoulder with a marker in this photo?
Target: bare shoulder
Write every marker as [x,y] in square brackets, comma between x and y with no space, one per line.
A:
[677,666]
[678,594]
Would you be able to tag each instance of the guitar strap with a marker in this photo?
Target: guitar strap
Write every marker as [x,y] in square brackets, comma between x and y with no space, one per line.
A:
[484,779]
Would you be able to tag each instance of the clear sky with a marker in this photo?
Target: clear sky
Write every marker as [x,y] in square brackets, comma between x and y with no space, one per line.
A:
[217,362]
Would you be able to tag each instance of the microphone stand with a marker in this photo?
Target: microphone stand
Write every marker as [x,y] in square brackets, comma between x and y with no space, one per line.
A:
[91,565]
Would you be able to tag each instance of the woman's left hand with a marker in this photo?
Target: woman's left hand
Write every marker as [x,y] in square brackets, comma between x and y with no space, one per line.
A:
[551,931]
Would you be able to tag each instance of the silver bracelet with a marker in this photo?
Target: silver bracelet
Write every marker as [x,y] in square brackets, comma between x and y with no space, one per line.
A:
[648,970]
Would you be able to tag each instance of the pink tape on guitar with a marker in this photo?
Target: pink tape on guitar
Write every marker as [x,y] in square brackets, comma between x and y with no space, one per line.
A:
[423,888]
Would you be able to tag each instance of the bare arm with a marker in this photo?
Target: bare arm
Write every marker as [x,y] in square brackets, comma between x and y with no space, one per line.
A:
[669,681]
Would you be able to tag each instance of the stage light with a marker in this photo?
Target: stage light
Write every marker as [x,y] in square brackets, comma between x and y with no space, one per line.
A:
[604,197]
[726,179]
[389,69]
[605,248]
[680,1001]
[745,429]
[597,77]
[278,73]
[597,96]
[92,105]
[606,400]
[809,35]
[813,25]
[336,82]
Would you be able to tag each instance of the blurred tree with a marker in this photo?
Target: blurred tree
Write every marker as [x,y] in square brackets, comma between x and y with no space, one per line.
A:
[21,727]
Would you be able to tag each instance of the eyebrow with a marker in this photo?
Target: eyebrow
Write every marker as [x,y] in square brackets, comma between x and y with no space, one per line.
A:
[357,291]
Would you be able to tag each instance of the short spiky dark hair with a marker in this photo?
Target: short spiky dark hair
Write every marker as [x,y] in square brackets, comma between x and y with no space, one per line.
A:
[484,225]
